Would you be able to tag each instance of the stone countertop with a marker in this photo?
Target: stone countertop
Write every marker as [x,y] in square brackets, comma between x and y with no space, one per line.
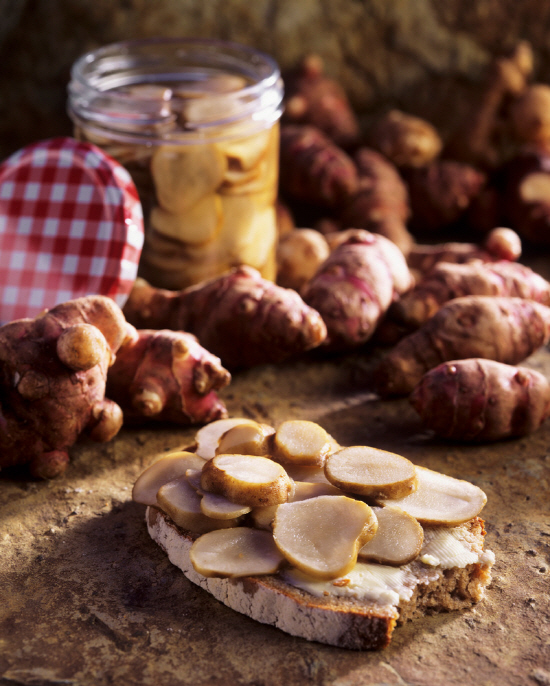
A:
[88,598]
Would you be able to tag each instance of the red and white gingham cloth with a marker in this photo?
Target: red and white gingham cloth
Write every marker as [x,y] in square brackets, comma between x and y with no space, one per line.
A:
[71,224]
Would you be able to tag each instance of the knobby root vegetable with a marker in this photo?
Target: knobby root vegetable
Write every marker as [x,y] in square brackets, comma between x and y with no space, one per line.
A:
[530,116]
[356,285]
[52,382]
[314,169]
[240,317]
[440,194]
[500,244]
[167,376]
[381,202]
[447,281]
[406,140]
[313,98]
[497,328]
[478,140]
[481,400]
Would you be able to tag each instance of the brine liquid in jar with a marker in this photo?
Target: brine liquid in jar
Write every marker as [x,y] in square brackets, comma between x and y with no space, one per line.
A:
[196,123]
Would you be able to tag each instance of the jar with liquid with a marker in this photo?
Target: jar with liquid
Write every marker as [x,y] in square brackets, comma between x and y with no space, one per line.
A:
[196,123]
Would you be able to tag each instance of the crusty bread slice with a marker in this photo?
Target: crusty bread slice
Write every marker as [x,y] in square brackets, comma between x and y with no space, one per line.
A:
[342,621]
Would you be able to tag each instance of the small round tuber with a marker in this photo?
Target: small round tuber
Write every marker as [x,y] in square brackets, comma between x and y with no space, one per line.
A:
[300,253]
[406,140]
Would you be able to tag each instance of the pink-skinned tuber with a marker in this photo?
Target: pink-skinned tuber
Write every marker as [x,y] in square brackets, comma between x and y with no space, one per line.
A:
[481,400]
[440,195]
[314,169]
[480,139]
[53,373]
[167,376]
[355,286]
[503,329]
[240,317]
[447,281]
[313,98]
[381,202]
[500,243]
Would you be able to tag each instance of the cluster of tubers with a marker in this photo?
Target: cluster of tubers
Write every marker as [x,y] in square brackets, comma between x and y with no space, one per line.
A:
[459,314]
[81,368]
[468,301]
[251,513]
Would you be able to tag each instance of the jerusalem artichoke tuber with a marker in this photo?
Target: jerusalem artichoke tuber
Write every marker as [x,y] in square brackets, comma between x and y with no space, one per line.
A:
[497,328]
[313,98]
[300,253]
[242,318]
[314,169]
[447,281]
[440,194]
[380,203]
[167,376]
[500,244]
[356,285]
[52,382]
[478,140]
[481,400]
[406,140]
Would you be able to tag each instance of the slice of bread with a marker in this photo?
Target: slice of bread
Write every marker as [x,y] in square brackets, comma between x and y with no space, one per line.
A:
[348,612]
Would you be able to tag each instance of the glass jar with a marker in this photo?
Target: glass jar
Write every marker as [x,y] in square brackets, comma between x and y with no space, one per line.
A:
[196,123]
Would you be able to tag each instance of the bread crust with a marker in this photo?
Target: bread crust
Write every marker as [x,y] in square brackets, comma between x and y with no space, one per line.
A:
[337,621]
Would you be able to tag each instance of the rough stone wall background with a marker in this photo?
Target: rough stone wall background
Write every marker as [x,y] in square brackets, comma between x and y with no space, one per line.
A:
[424,56]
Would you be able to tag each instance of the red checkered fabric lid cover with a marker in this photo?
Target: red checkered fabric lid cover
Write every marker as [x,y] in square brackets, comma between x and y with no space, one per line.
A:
[71,224]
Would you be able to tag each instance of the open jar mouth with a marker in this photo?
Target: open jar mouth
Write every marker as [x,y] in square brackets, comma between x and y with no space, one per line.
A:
[138,91]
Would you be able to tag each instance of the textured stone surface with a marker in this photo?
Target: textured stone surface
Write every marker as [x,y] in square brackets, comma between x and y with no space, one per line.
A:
[85,596]
[424,56]
[88,598]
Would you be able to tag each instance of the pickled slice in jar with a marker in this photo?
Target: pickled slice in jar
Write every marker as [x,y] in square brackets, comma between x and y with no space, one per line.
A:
[259,251]
[123,153]
[249,173]
[200,224]
[175,265]
[244,154]
[184,174]
[210,108]
[213,83]
[249,232]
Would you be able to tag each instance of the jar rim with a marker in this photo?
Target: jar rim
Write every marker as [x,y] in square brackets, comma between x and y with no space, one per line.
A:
[93,94]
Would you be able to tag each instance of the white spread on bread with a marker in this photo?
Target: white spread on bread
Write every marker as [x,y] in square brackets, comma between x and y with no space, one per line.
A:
[443,548]
[452,547]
